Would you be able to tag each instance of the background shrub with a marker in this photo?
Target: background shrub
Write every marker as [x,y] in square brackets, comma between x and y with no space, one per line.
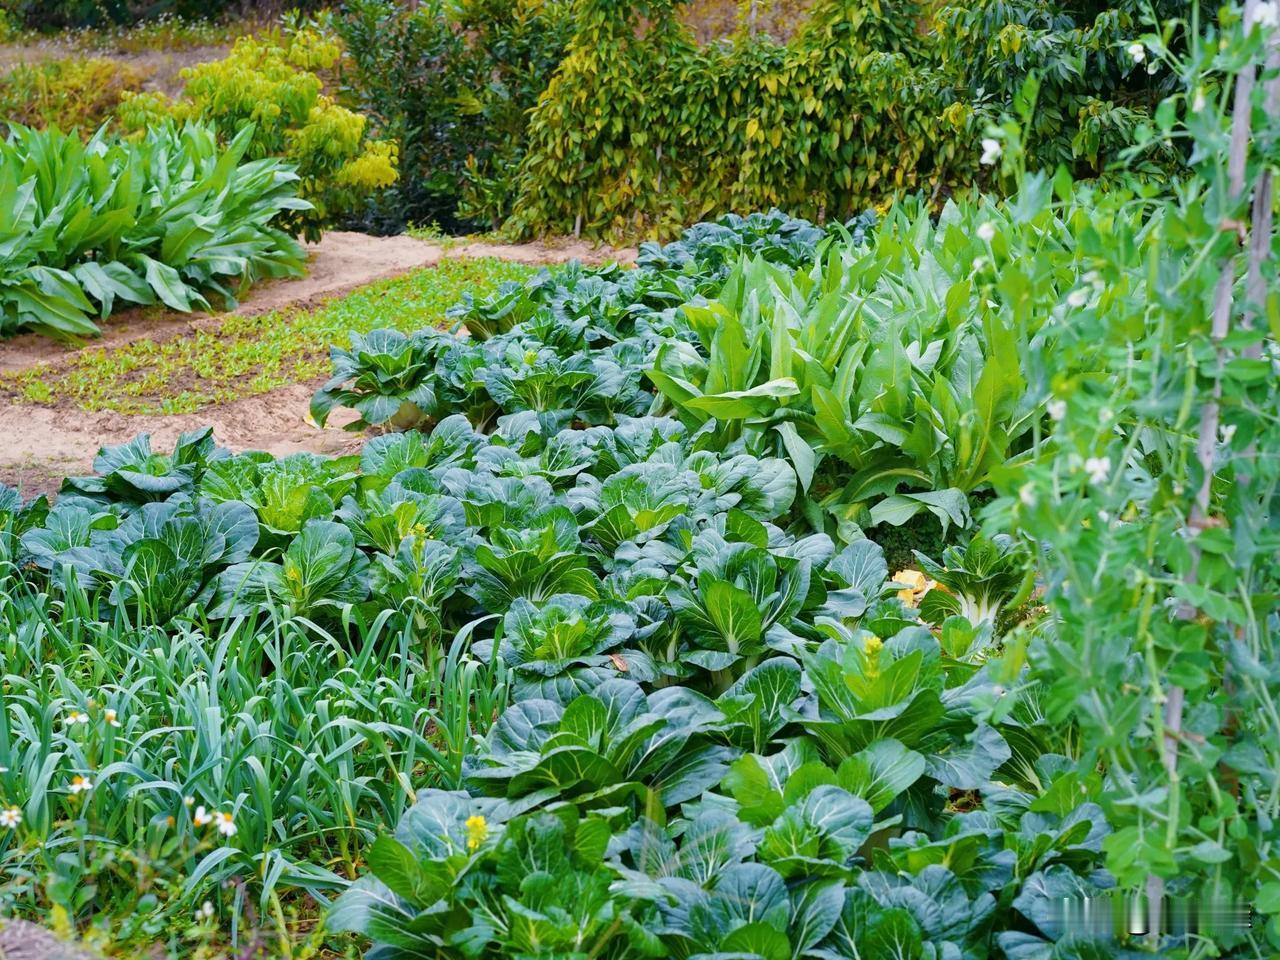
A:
[70,93]
[1093,94]
[272,81]
[453,83]
[641,128]
[58,14]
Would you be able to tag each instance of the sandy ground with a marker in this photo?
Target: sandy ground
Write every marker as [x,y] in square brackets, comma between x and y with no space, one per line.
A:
[41,444]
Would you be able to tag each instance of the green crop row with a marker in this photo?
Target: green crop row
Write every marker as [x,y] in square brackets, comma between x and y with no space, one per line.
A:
[171,218]
[604,657]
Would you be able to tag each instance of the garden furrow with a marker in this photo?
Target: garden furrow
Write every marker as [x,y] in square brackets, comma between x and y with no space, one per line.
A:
[41,442]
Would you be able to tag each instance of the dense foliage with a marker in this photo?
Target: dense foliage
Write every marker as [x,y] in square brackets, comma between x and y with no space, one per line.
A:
[452,83]
[271,84]
[70,93]
[642,129]
[169,218]
[601,619]
[57,14]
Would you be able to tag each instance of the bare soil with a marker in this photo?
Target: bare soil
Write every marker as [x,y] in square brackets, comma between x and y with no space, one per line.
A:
[39,445]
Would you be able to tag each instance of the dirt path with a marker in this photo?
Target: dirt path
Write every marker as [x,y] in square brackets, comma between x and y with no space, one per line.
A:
[160,70]
[40,445]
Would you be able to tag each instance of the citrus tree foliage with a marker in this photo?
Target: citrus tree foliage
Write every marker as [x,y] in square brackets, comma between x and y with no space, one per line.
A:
[452,83]
[1095,92]
[271,81]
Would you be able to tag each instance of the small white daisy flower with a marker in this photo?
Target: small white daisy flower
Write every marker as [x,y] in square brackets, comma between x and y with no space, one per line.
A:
[1137,52]
[10,817]
[986,231]
[202,816]
[111,717]
[80,784]
[226,825]
[188,801]
[991,151]
[205,911]
[75,717]
[1098,469]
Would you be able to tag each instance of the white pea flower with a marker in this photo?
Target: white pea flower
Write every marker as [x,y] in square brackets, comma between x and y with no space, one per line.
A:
[1098,469]
[205,912]
[979,264]
[986,231]
[1267,14]
[1138,52]
[1078,297]
[991,151]
[1197,102]
[1027,494]
[1094,279]
[1057,410]
[10,817]
[1227,432]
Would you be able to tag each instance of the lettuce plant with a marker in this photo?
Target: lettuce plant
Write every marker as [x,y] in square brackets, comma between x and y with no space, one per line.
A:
[132,473]
[465,877]
[320,569]
[978,581]
[564,644]
[601,745]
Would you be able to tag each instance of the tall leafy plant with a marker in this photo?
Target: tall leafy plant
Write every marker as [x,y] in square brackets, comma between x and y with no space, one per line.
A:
[1149,506]
[170,218]
[887,374]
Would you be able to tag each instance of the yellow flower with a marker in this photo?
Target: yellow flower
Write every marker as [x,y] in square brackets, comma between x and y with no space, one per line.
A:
[871,654]
[477,830]
[917,585]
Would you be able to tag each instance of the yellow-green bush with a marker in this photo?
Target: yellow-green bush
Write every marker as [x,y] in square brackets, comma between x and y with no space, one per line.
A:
[642,129]
[71,93]
[272,80]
